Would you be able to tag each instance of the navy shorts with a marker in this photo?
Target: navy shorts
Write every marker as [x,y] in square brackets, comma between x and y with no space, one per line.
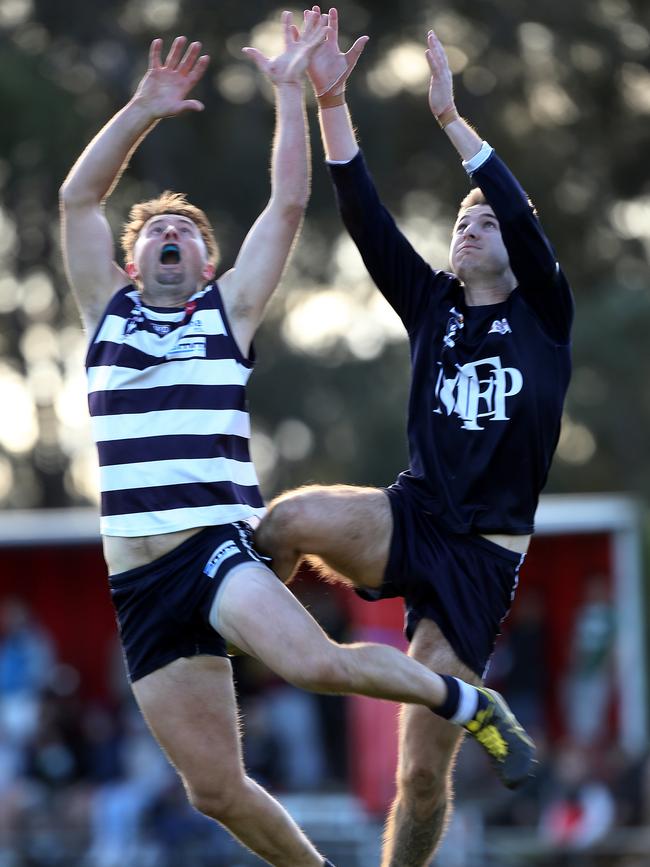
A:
[464,583]
[163,608]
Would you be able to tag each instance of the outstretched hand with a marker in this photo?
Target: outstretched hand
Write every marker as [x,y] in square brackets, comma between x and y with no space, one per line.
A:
[329,67]
[290,66]
[164,87]
[441,88]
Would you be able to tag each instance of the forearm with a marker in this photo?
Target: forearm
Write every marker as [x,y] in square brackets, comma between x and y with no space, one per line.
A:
[463,137]
[443,105]
[99,167]
[337,132]
[290,162]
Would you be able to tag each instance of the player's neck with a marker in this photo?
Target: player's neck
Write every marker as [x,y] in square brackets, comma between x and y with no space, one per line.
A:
[167,296]
[482,291]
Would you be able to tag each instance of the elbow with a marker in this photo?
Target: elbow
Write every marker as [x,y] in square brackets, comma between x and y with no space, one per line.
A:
[296,210]
[71,196]
[292,199]
[63,196]
[68,199]
[67,194]
[300,197]
[292,212]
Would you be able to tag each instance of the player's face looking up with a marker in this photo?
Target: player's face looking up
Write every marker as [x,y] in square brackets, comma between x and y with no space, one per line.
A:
[477,249]
[171,252]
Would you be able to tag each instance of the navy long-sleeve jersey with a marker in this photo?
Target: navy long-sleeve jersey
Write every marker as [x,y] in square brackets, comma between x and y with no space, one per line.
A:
[488,382]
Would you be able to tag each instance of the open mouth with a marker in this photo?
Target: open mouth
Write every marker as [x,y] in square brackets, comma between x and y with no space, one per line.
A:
[170,254]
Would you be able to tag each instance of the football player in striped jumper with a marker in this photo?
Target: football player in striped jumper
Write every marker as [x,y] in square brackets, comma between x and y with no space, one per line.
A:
[490,356]
[169,356]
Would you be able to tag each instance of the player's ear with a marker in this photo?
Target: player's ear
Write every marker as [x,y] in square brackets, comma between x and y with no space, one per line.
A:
[132,270]
[208,272]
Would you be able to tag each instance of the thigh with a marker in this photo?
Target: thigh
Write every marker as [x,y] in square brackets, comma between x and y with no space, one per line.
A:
[348,527]
[190,707]
[259,615]
[426,741]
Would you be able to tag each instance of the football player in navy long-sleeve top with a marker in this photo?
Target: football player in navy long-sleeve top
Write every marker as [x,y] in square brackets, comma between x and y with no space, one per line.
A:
[490,356]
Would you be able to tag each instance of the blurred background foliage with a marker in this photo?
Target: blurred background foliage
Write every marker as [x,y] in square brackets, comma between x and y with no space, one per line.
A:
[561,89]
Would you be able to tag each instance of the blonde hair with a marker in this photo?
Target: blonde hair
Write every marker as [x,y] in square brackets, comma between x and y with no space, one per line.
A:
[167,203]
[477,197]
[474,197]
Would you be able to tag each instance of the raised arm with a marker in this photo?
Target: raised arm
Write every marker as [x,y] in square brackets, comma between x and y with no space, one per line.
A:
[532,258]
[329,71]
[399,272]
[88,247]
[247,287]
[442,104]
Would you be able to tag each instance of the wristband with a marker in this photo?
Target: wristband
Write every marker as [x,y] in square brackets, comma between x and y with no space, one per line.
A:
[446,117]
[330,100]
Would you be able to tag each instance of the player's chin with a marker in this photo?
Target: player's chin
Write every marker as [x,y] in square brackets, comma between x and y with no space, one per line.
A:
[171,275]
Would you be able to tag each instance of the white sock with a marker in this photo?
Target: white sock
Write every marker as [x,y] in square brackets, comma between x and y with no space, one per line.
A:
[467,704]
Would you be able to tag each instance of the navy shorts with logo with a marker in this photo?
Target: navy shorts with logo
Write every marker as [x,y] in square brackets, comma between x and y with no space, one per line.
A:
[464,583]
[163,608]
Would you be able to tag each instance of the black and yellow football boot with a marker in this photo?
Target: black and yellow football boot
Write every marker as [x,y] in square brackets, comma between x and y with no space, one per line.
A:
[509,748]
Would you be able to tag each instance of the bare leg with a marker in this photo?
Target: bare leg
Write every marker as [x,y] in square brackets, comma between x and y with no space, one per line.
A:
[427,749]
[348,528]
[351,530]
[190,707]
[288,639]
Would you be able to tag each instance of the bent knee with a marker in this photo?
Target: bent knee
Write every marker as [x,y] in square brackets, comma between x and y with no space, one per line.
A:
[292,520]
[285,521]
[217,802]
[425,783]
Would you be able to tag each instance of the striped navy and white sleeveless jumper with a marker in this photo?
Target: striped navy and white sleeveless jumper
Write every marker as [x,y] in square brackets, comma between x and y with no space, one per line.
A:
[167,399]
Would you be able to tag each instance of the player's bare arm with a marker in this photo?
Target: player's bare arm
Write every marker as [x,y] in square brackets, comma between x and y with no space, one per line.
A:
[247,287]
[442,103]
[329,70]
[330,67]
[88,246]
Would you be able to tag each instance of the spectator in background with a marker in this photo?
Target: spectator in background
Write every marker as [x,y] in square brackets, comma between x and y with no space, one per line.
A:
[26,666]
[589,681]
[580,809]
[26,662]
[519,668]
[119,804]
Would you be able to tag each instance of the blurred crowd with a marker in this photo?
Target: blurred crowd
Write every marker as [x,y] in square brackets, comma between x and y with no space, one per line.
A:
[589,793]
[82,782]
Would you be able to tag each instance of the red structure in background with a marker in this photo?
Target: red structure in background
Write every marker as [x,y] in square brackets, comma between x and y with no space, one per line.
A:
[65,587]
[53,561]
[372,724]
[558,568]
